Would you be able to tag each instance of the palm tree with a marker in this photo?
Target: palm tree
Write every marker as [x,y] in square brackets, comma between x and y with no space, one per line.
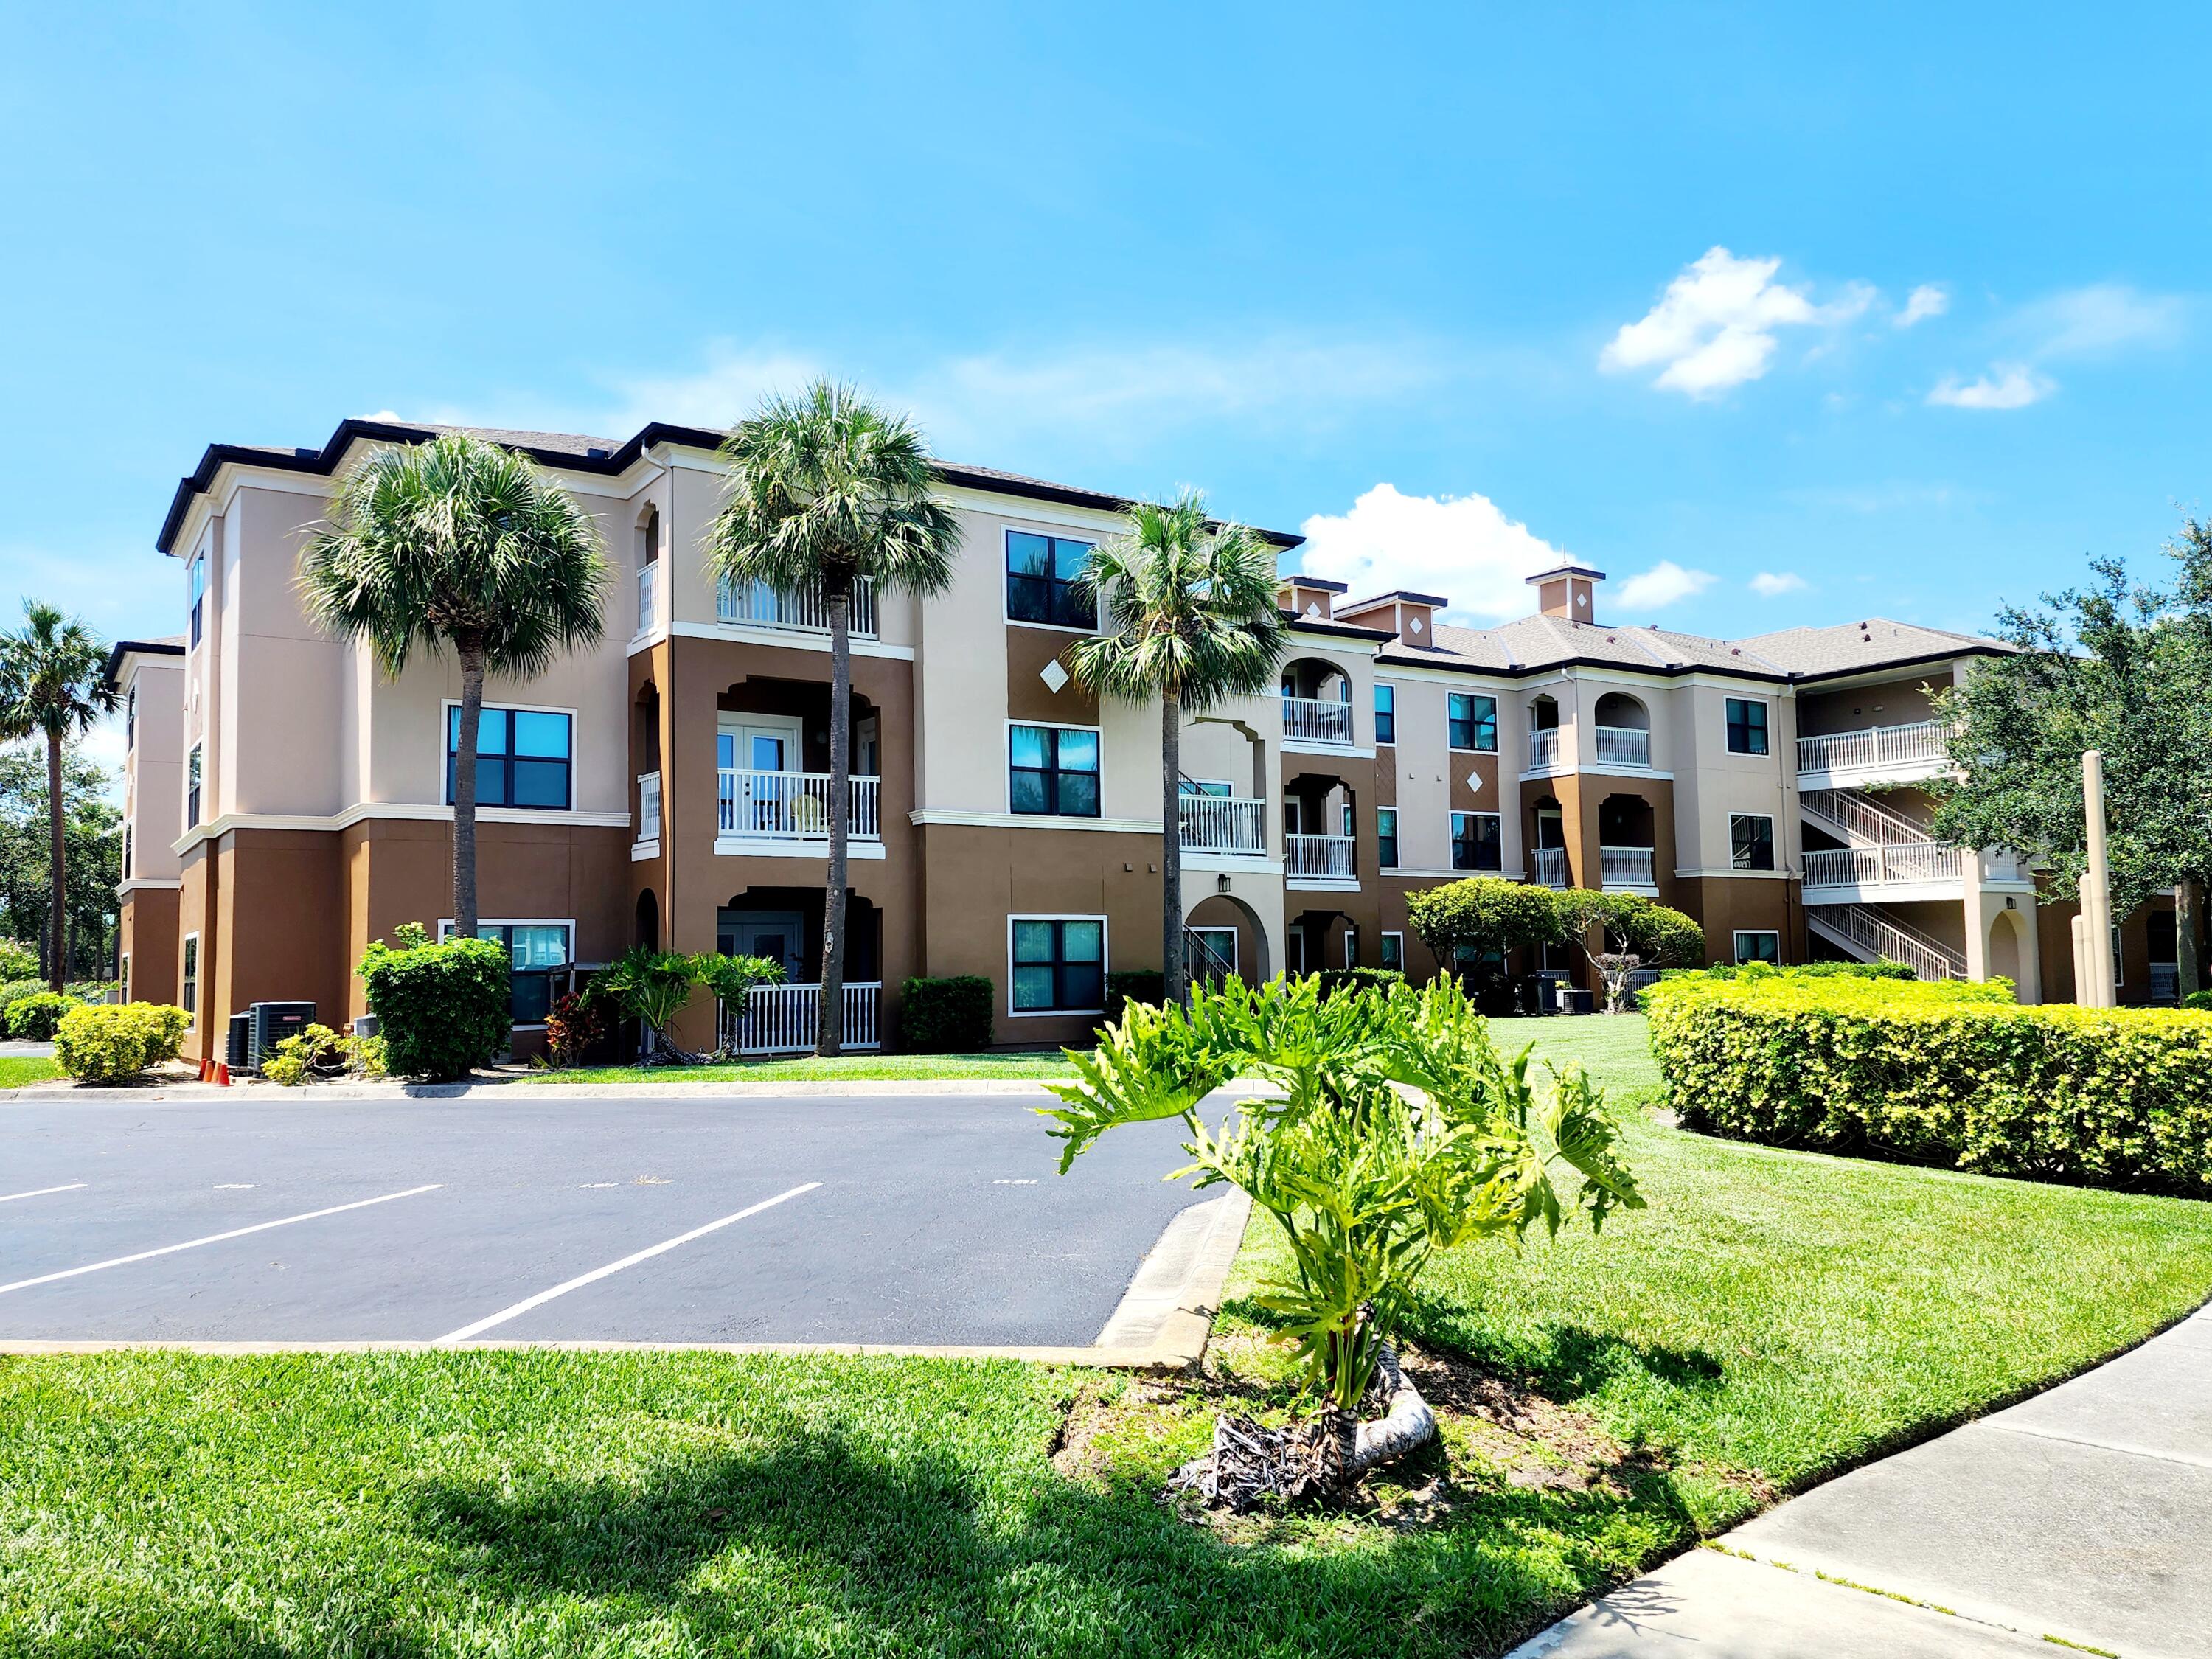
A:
[1190,610]
[458,543]
[826,488]
[53,685]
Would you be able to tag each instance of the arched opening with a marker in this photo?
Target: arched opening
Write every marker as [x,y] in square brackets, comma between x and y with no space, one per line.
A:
[784,925]
[1547,843]
[1316,701]
[1623,731]
[772,755]
[1232,936]
[1623,713]
[1628,838]
[1543,732]
[1315,940]
[2007,946]
[648,568]
[648,932]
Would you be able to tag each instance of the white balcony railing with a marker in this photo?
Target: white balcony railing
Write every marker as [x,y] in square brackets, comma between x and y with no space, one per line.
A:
[1550,863]
[649,806]
[1623,745]
[781,1019]
[795,805]
[1627,866]
[1917,748]
[1324,856]
[1316,719]
[755,605]
[1543,748]
[1222,824]
[648,596]
[1873,866]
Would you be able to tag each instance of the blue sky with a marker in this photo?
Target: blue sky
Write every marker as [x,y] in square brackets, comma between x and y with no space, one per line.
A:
[1777,317]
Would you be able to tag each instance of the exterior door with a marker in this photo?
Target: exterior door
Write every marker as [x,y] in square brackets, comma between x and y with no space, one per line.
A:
[778,935]
[756,757]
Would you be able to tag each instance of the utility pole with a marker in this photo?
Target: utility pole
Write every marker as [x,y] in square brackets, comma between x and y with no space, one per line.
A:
[2097,888]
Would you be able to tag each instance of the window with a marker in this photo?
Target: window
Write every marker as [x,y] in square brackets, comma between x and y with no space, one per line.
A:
[126,855]
[1352,947]
[1385,714]
[1394,953]
[2119,977]
[1053,771]
[131,718]
[193,786]
[198,579]
[1059,964]
[1349,827]
[533,949]
[122,974]
[189,992]
[1757,947]
[1751,841]
[1386,837]
[522,757]
[1041,585]
[1476,843]
[1746,727]
[1221,943]
[1473,722]
[1206,786]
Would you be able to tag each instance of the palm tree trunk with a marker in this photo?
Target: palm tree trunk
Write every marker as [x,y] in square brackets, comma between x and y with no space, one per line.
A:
[2189,973]
[465,790]
[830,1026]
[57,884]
[1176,991]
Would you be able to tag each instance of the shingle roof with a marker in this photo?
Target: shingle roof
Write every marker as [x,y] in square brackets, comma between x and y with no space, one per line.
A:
[1853,648]
[1532,644]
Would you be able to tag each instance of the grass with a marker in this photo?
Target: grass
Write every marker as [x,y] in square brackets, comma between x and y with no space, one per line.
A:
[845,1068]
[1772,1317]
[16,1070]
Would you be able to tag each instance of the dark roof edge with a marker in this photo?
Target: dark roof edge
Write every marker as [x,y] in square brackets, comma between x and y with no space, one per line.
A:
[122,648]
[1392,596]
[325,461]
[1529,671]
[1299,579]
[1991,648]
[1298,624]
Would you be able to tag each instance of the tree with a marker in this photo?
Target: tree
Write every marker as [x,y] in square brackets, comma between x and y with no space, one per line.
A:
[826,490]
[53,685]
[652,987]
[92,860]
[458,543]
[1484,916]
[2120,667]
[1190,618]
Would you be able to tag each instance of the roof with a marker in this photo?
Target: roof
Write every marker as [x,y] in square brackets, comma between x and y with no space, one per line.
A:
[1392,596]
[1858,648]
[580,453]
[1299,579]
[1568,565]
[1541,644]
[171,645]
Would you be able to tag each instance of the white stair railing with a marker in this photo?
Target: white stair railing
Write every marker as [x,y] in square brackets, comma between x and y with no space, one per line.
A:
[1871,935]
[795,805]
[1327,856]
[1878,747]
[1222,824]
[1862,822]
[1316,719]
[782,1019]
[1871,867]
[755,605]
[1623,745]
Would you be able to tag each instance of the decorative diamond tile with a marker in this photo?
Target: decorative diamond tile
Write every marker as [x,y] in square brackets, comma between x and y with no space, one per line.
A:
[1053,675]
[1416,624]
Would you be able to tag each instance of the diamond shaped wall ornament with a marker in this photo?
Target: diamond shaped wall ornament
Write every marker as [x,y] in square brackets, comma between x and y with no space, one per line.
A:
[1474,781]
[1053,675]
[1415,622]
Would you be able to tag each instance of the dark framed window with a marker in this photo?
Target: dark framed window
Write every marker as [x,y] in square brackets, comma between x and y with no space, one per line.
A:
[198,584]
[189,992]
[126,858]
[534,949]
[1751,841]
[1394,953]
[1759,946]
[1385,714]
[1206,786]
[1746,727]
[1040,586]
[193,786]
[1473,722]
[523,757]
[1476,841]
[1059,964]
[1386,836]
[1053,771]
[131,719]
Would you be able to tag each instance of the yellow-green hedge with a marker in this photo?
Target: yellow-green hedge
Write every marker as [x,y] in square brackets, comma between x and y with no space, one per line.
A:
[1948,1074]
[102,1042]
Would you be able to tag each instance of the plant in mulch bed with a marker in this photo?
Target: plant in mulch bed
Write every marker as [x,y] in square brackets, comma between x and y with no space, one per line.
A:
[654,987]
[1401,1131]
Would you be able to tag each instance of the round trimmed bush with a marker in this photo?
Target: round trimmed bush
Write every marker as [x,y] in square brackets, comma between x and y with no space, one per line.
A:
[100,1042]
[33,1018]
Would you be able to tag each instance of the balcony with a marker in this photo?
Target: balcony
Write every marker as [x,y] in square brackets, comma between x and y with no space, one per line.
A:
[1222,824]
[1897,753]
[1543,748]
[781,1019]
[1550,866]
[1907,863]
[761,807]
[755,605]
[648,809]
[1627,866]
[1316,719]
[1623,745]
[648,596]
[1319,858]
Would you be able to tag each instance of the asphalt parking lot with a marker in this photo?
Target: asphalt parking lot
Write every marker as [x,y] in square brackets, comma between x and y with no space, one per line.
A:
[532,1218]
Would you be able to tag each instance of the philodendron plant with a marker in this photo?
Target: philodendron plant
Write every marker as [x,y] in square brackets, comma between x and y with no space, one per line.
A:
[1399,1131]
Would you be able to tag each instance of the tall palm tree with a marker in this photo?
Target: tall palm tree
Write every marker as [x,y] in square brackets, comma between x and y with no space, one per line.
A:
[52,684]
[826,488]
[458,543]
[1189,607]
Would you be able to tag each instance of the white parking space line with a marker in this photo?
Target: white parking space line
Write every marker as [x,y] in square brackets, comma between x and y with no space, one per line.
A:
[597,1273]
[40,1192]
[214,1238]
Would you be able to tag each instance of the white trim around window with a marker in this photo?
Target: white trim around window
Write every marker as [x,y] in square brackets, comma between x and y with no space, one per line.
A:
[1451,834]
[1221,940]
[1773,728]
[1773,845]
[575,761]
[1351,945]
[1393,944]
[1006,768]
[1743,933]
[1105,956]
[1006,577]
[567,924]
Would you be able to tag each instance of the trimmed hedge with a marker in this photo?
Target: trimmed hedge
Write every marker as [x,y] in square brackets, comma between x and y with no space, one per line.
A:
[946,1015]
[1953,1074]
[34,1018]
[1796,970]
[2198,999]
[1127,984]
[1334,980]
[100,1042]
[441,1009]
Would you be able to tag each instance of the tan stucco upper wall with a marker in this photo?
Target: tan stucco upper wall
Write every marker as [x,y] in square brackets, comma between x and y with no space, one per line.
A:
[1430,780]
[1711,785]
[1902,702]
[155,767]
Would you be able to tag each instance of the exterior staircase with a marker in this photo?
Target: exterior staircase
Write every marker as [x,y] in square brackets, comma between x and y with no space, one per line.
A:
[1858,820]
[1867,932]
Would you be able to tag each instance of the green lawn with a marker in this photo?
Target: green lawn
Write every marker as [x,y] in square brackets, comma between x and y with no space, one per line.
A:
[16,1070]
[848,1068]
[1772,1317]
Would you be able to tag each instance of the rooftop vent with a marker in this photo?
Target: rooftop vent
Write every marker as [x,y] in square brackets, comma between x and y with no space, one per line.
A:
[596,454]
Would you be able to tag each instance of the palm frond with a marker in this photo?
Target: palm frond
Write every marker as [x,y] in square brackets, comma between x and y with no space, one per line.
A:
[51,682]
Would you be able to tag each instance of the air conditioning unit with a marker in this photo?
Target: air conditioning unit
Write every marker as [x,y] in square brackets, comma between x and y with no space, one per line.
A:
[270,1024]
[239,1044]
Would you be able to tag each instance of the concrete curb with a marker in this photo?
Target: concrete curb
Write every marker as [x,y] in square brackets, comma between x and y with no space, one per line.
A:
[519,1090]
[1162,1323]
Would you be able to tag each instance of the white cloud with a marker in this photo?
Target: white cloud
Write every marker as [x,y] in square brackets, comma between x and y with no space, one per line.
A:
[1773,584]
[1666,583]
[1929,300]
[2007,386]
[1714,328]
[2098,321]
[1461,546]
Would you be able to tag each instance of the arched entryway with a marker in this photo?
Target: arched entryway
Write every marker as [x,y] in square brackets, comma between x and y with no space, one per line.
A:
[1231,935]
[2008,946]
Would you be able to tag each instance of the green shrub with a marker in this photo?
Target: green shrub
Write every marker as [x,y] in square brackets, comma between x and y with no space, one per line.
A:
[1799,970]
[2198,999]
[1334,980]
[441,1009]
[947,1015]
[1949,1074]
[13,992]
[18,961]
[97,1042]
[33,1018]
[1127,984]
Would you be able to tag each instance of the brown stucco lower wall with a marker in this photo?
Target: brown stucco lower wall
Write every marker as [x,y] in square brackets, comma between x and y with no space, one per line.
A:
[278,927]
[1723,905]
[148,935]
[2054,945]
[974,876]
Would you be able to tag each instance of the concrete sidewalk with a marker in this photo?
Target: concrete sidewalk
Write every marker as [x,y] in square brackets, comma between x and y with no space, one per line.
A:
[2083,1515]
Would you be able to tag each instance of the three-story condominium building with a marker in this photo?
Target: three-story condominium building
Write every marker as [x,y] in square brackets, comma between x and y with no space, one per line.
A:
[287,804]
